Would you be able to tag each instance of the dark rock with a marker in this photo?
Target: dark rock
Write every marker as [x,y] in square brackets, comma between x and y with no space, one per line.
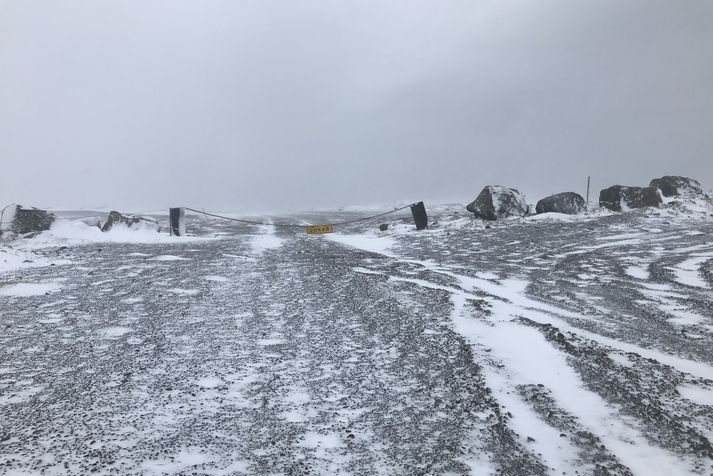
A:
[133,222]
[620,198]
[495,202]
[31,220]
[114,219]
[671,186]
[568,202]
[383,227]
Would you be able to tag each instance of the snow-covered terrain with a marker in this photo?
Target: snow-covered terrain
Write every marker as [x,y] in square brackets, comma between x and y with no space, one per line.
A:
[546,345]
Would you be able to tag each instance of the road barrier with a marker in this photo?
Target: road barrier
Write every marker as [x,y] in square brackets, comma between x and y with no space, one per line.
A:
[178,224]
[319,229]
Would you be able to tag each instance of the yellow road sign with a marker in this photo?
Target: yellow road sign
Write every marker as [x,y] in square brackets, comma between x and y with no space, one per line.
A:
[319,229]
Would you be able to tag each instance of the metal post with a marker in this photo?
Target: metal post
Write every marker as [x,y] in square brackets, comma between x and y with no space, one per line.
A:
[418,210]
[586,205]
[177,219]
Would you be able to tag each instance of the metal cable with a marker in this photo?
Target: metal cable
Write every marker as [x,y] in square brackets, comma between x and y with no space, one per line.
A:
[292,225]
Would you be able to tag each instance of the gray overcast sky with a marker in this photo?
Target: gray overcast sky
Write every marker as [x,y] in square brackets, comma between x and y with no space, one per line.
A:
[272,105]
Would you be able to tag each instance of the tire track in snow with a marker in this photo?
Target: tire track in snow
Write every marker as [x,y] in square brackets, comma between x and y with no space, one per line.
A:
[604,420]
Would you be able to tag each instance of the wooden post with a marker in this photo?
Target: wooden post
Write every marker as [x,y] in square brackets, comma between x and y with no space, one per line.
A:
[177,219]
[418,210]
[586,205]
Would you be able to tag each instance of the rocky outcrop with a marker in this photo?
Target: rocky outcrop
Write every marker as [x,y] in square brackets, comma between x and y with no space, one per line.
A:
[495,202]
[620,198]
[132,222]
[567,202]
[672,186]
[30,220]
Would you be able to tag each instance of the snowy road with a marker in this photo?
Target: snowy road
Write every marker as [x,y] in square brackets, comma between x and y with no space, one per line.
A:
[537,347]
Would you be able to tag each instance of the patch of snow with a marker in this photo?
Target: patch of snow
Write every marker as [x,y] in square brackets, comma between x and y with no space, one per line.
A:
[168,258]
[13,259]
[176,463]
[552,216]
[266,240]
[513,293]
[637,272]
[367,242]
[621,359]
[29,289]
[115,332]
[687,272]
[20,395]
[297,396]
[656,286]
[622,236]
[613,243]
[688,249]
[318,440]
[556,452]
[543,363]
[217,279]
[699,395]
[77,232]
[103,281]
[188,292]
[209,382]
[682,315]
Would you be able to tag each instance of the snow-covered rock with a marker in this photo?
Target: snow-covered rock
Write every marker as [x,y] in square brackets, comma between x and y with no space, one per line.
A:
[132,222]
[21,220]
[671,186]
[620,198]
[567,202]
[495,202]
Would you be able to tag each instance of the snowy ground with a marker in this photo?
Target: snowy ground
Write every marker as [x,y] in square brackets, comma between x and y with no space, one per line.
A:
[538,346]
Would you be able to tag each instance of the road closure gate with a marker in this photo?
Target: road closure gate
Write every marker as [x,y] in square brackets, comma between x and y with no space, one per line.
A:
[176,218]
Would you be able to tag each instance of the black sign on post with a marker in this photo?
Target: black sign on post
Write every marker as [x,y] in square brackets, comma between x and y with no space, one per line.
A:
[177,219]
[418,210]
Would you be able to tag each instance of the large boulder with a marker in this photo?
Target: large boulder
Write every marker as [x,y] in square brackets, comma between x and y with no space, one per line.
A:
[620,198]
[567,202]
[132,222]
[495,202]
[671,186]
[30,220]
